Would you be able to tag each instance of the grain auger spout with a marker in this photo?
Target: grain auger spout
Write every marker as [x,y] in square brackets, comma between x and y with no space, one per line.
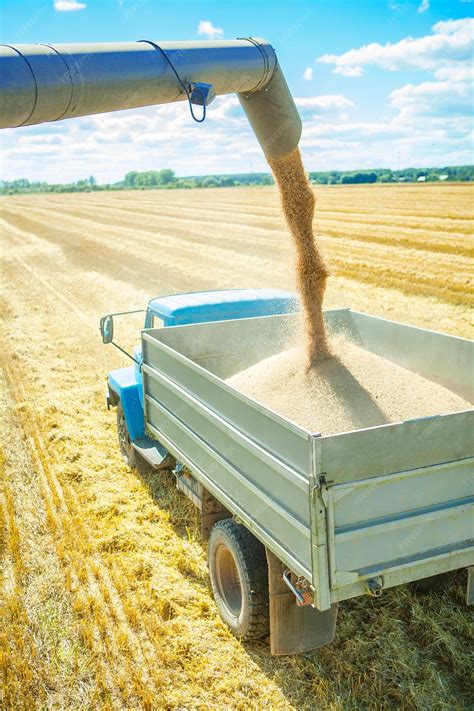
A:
[41,83]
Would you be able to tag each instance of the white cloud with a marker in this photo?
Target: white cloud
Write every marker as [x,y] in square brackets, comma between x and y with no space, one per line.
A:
[110,145]
[356,130]
[458,72]
[450,45]
[368,144]
[428,119]
[308,73]
[432,99]
[68,5]
[349,71]
[324,102]
[425,5]
[207,29]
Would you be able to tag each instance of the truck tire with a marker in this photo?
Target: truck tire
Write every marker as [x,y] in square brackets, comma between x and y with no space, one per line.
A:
[127,450]
[239,579]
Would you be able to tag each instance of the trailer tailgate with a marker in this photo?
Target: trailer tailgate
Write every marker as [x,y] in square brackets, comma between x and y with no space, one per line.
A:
[408,520]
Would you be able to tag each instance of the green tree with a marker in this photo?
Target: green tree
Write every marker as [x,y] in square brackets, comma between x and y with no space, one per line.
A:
[166,176]
[147,179]
[210,182]
[130,179]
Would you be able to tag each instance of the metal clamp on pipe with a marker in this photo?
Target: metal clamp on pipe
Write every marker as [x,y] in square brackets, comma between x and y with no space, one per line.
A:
[201,94]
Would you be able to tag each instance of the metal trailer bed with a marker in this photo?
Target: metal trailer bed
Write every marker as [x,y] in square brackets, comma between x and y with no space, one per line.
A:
[352,513]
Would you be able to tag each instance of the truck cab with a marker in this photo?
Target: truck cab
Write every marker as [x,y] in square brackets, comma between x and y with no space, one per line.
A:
[124,385]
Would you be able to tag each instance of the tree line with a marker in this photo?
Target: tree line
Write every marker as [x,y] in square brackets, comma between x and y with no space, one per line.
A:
[458,173]
[166,179]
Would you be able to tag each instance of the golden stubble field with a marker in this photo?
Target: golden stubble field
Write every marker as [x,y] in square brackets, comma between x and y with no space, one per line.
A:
[105,597]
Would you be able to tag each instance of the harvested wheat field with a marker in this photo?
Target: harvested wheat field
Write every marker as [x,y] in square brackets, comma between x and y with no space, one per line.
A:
[105,596]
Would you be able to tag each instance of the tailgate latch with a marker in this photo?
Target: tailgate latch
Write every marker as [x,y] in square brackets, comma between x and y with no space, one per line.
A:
[374,586]
[299,589]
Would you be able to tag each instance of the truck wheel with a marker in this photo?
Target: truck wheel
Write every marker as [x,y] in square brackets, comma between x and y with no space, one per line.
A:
[239,579]
[128,452]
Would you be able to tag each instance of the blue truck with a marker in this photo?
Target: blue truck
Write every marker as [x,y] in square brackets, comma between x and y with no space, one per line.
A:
[297,521]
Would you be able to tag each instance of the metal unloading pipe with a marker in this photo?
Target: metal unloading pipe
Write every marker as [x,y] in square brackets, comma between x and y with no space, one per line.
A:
[40,83]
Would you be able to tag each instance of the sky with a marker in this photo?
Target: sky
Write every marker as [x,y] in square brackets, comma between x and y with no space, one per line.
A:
[378,83]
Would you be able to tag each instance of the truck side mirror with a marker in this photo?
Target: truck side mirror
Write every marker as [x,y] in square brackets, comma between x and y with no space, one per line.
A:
[107,329]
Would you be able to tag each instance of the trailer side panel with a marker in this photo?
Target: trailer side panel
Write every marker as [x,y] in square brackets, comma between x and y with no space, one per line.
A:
[218,436]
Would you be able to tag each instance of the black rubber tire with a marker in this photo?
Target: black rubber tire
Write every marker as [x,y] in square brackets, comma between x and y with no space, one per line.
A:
[127,450]
[238,564]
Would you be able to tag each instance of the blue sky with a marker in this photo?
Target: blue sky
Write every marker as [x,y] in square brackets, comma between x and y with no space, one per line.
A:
[378,83]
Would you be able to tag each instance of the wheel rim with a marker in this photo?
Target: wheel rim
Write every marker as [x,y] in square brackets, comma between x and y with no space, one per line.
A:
[122,432]
[228,580]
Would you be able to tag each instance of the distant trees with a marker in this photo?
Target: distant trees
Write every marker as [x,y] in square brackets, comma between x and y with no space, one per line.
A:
[210,182]
[10,187]
[360,177]
[149,178]
[463,173]
[165,179]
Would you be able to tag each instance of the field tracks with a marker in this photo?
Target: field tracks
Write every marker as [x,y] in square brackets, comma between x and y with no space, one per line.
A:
[400,239]
[106,628]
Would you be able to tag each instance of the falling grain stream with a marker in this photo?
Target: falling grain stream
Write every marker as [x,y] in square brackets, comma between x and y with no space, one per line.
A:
[298,203]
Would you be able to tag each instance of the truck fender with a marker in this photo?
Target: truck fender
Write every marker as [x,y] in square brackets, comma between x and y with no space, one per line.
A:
[124,387]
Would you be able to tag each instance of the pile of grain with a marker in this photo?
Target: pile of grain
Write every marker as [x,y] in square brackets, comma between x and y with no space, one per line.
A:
[298,201]
[349,390]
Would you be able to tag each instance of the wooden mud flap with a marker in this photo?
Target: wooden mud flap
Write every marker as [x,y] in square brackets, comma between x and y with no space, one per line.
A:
[294,629]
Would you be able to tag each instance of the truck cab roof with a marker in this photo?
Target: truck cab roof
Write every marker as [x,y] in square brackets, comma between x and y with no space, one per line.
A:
[221,304]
